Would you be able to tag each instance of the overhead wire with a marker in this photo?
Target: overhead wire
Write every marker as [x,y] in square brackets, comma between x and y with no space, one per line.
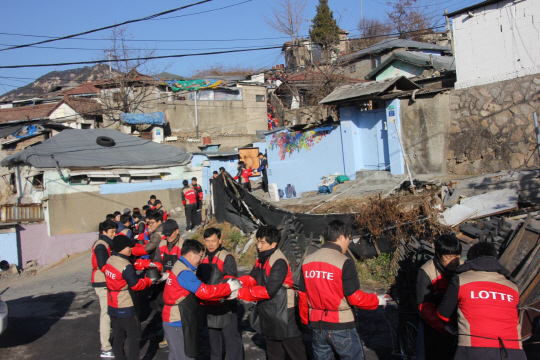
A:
[188,55]
[110,26]
[139,58]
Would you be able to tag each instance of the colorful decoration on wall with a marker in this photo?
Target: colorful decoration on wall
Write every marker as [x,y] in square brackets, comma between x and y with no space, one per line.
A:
[289,142]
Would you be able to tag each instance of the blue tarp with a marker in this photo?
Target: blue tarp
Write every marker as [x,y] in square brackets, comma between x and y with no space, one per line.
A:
[155,118]
[122,188]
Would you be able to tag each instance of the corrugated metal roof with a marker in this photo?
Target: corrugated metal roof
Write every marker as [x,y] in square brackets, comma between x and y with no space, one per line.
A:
[416,58]
[389,44]
[216,153]
[371,89]
[473,7]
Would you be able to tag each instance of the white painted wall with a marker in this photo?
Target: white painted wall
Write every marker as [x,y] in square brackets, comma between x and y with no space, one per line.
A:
[500,42]
[65,114]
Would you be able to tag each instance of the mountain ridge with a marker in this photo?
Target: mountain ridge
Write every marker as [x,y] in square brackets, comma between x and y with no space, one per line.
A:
[45,83]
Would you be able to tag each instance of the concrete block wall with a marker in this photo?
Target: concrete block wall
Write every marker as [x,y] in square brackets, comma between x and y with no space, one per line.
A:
[499,42]
[492,127]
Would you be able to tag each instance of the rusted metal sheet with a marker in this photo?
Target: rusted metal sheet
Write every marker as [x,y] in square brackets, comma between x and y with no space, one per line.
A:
[21,213]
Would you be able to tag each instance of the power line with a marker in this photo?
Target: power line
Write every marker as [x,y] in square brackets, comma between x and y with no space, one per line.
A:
[150,17]
[140,58]
[204,12]
[419,6]
[135,49]
[148,40]
[187,55]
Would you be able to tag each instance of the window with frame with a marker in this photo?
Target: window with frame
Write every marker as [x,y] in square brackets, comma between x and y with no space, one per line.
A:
[78,180]
[259,98]
[375,62]
[37,182]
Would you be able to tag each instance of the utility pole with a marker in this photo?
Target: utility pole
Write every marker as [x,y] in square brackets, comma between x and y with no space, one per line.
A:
[361,14]
[449,31]
[310,45]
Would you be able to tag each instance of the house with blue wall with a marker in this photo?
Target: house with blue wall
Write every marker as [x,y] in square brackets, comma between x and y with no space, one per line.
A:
[403,121]
[297,160]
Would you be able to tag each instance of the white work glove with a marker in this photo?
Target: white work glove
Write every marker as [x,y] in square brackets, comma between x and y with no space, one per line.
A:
[383,299]
[452,330]
[234,284]
[164,277]
[233,295]
[152,265]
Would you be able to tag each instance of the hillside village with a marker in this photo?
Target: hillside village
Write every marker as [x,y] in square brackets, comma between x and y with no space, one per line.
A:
[426,119]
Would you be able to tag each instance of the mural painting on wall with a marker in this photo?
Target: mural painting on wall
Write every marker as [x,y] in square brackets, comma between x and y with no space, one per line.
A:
[289,142]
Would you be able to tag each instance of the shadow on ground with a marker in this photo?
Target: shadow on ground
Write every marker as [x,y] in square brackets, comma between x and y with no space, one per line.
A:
[30,317]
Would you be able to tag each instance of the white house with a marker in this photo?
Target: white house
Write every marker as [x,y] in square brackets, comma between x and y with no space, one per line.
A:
[496,41]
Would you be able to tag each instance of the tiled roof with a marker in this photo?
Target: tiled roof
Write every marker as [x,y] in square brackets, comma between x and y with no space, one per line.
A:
[83,106]
[26,112]
[85,88]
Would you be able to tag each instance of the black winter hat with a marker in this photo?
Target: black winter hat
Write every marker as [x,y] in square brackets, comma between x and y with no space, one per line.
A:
[120,242]
[169,226]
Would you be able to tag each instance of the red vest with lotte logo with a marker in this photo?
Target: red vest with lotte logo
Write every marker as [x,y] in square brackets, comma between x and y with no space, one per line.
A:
[169,257]
[117,286]
[174,294]
[266,267]
[322,272]
[487,310]
[97,275]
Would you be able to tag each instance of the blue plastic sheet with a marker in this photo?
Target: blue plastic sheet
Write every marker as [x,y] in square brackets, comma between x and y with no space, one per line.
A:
[155,118]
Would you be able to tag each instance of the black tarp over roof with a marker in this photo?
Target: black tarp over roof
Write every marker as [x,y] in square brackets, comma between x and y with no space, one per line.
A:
[229,208]
[78,148]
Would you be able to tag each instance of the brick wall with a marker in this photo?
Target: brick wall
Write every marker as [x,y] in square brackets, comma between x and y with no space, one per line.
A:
[499,42]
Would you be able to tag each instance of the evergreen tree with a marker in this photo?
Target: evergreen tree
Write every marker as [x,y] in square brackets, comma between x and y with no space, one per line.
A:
[325,30]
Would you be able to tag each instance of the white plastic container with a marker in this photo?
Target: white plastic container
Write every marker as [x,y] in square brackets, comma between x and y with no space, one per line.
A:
[157,134]
[273,192]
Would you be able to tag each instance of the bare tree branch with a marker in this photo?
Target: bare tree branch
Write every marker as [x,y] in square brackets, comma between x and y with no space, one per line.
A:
[288,17]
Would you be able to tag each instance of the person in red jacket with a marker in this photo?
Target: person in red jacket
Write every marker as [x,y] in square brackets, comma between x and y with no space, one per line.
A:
[434,342]
[200,196]
[270,285]
[183,291]
[158,207]
[101,251]
[487,308]
[243,175]
[122,283]
[328,290]
[190,198]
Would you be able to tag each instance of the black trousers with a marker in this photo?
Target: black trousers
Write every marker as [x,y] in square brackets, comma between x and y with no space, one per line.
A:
[247,186]
[233,341]
[191,216]
[438,346]
[126,331]
[264,182]
[275,350]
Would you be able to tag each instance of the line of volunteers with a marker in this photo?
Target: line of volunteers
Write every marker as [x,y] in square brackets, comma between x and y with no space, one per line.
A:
[188,281]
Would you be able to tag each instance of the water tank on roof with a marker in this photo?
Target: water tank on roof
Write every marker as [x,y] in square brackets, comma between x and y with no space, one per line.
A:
[157,134]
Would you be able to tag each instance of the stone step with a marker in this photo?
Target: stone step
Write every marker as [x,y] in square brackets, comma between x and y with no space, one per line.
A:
[369,177]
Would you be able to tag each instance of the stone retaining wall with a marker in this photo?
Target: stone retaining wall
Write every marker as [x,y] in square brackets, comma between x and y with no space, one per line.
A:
[492,127]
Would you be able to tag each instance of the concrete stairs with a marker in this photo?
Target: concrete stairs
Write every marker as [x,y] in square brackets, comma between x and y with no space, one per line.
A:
[376,177]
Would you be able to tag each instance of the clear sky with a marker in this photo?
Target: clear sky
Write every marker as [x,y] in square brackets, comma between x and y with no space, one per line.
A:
[205,26]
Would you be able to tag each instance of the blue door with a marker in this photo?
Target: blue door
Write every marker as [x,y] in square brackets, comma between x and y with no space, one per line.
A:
[373,140]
